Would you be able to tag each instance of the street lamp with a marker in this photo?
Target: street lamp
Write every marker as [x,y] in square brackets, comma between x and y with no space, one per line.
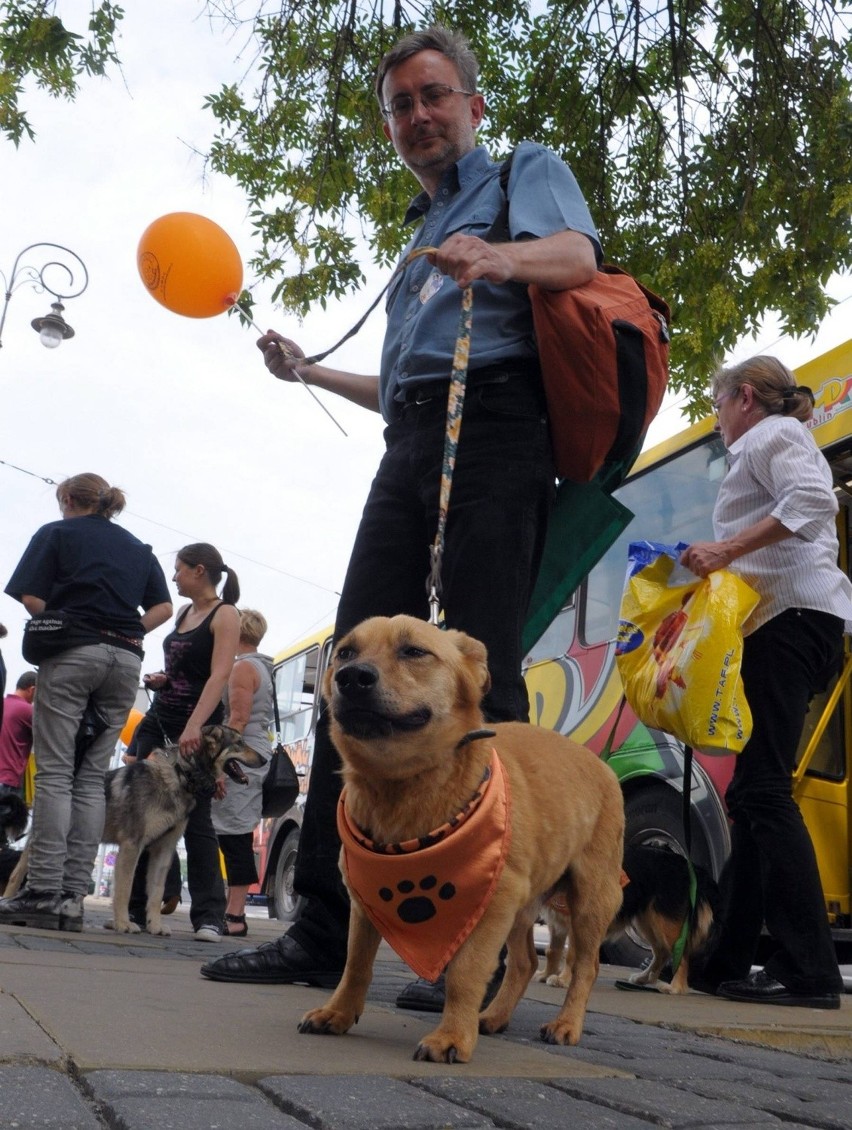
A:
[52,329]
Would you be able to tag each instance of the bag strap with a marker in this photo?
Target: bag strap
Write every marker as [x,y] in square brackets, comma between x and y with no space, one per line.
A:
[499,230]
[275,712]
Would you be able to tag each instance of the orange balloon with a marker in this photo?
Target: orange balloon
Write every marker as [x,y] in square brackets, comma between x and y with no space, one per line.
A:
[190,265]
[133,719]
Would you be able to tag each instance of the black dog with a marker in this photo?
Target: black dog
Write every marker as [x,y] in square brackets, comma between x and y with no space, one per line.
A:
[14,815]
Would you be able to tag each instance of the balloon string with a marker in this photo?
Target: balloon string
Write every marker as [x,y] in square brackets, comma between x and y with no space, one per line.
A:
[298,376]
[415,254]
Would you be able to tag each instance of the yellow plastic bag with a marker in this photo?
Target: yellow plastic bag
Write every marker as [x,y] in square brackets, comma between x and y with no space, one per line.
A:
[680,647]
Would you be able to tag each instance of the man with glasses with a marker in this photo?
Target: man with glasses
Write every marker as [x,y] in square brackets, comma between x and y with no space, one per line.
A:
[503,483]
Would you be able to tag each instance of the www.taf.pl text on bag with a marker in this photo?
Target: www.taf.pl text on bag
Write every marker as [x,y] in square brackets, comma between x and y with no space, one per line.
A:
[604,354]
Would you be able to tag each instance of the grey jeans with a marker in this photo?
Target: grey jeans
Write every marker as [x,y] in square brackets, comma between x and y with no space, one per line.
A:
[68,810]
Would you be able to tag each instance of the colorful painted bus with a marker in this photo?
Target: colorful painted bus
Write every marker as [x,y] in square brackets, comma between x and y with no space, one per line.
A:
[575,689]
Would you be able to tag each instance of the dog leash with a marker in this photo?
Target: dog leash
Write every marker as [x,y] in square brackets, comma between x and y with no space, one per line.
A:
[680,945]
[455,406]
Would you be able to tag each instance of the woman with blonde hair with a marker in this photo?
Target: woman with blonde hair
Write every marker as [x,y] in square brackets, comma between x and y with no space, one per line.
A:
[199,654]
[99,576]
[774,521]
[248,706]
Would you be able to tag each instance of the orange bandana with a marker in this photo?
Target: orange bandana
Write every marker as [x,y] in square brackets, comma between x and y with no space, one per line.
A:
[425,896]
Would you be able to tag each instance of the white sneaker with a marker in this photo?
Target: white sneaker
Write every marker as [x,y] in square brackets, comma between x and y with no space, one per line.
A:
[208,934]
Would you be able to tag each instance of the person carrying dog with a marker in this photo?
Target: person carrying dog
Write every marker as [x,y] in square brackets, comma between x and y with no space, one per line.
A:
[199,654]
[504,478]
[97,575]
[775,523]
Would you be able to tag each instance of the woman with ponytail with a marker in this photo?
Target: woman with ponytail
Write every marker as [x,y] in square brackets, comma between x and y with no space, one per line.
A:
[199,654]
[99,576]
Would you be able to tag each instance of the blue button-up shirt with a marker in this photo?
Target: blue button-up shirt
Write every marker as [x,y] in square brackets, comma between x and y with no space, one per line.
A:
[423,305]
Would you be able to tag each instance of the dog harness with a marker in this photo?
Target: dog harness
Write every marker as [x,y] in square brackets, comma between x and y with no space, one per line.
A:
[425,896]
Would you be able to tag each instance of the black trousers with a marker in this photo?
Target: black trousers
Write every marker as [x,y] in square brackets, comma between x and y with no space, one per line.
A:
[502,492]
[772,875]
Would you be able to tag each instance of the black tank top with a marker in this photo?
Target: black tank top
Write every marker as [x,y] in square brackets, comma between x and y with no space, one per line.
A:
[188,658]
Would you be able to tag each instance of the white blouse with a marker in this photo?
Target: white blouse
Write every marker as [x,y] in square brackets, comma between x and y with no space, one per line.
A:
[776,469]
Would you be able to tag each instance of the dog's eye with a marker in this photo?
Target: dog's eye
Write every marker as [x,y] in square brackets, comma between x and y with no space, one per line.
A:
[345,653]
[410,651]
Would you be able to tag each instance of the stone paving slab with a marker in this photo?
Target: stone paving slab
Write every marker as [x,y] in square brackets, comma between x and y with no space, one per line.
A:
[177,1101]
[661,1104]
[345,1103]
[33,1097]
[518,1104]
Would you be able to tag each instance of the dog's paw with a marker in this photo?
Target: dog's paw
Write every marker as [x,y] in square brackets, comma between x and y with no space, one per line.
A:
[642,978]
[559,1032]
[559,980]
[159,929]
[326,1022]
[413,907]
[127,927]
[492,1024]
[442,1048]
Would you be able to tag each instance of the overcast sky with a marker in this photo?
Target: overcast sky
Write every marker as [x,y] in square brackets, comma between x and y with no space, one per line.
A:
[180,412]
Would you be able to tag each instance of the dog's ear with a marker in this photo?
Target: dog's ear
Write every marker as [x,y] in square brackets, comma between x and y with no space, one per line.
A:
[475,664]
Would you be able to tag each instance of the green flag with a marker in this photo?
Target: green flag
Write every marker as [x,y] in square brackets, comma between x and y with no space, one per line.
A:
[584,523]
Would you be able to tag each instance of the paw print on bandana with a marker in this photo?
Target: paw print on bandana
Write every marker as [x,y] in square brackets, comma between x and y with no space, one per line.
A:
[416,908]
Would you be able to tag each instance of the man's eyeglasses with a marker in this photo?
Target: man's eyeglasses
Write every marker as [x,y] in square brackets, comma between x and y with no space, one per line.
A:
[432,97]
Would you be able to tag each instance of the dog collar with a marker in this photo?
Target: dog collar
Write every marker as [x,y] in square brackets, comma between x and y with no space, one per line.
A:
[426,895]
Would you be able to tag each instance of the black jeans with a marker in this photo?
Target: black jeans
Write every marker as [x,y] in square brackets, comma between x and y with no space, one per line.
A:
[501,496]
[772,875]
[203,872]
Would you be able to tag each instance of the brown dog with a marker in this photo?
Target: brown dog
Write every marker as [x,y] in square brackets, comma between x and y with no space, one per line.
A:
[417,765]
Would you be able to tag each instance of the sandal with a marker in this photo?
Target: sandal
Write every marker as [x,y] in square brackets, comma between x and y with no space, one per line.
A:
[240,919]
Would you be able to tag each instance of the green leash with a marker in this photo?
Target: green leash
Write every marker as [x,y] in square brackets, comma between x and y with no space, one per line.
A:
[680,945]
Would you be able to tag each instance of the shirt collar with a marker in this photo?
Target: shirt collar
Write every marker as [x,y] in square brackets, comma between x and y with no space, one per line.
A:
[736,448]
[466,170]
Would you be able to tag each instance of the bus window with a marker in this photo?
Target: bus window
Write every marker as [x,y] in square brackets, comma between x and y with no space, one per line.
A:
[672,502]
[829,759]
[295,687]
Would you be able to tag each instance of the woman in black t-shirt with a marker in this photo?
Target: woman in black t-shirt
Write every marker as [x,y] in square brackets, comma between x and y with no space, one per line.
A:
[101,575]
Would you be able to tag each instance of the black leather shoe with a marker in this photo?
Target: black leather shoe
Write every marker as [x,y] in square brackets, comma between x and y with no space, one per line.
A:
[40,910]
[761,988]
[282,962]
[430,996]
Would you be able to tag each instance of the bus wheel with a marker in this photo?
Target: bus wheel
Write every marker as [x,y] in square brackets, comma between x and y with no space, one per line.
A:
[652,816]
[287,902]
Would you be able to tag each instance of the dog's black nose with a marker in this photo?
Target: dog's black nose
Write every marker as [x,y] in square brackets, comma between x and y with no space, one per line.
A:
[356,679]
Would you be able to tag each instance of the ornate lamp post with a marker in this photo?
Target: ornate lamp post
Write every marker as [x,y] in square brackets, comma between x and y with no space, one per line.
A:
[52,328]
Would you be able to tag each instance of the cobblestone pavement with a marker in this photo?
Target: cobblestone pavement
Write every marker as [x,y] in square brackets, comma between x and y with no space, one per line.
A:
[626,1074]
